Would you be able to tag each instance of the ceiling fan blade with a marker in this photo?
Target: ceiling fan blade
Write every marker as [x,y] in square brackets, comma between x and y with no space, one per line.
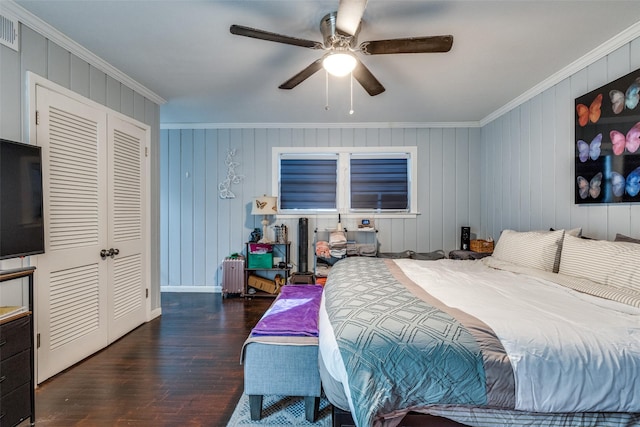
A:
[273,37]
[408,45]
[349,16]
[367,80]
[302,75]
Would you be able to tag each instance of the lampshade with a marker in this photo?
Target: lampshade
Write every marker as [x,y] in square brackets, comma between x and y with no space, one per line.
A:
[339,63]
[265,205]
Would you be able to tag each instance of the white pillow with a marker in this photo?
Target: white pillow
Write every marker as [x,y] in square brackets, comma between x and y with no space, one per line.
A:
[626,275]
[609,263]
[535,249]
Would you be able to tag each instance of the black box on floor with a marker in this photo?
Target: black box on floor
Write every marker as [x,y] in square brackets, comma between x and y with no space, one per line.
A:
[302,279]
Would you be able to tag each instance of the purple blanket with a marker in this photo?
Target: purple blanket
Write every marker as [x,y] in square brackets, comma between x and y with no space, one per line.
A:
[293,313]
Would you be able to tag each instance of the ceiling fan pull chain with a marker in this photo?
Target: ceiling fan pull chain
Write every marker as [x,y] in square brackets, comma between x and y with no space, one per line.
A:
[326,90]
[351,92]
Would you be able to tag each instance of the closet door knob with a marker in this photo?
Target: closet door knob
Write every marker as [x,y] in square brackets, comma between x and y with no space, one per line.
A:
[113,252]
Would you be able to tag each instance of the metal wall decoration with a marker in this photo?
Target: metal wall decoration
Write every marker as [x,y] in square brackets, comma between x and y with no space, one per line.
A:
[232,178]
[607,143]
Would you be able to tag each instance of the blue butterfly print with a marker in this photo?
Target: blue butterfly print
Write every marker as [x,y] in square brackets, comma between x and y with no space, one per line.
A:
[590,150]
[633,183]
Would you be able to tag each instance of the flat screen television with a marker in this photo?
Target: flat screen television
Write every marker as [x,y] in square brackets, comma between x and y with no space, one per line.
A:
[21,203]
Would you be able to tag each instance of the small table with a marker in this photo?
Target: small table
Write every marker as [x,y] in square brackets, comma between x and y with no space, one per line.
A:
[464,255]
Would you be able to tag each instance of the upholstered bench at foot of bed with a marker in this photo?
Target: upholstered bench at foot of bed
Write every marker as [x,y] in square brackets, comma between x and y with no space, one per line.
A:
[283,369]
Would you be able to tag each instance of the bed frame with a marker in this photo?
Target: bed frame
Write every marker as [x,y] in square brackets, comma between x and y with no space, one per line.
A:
[412,419]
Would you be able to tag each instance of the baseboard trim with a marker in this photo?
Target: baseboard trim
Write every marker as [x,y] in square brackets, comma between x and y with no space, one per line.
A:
[207,289]
[155,313]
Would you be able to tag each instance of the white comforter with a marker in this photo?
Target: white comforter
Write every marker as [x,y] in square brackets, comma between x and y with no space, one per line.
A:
[570,352]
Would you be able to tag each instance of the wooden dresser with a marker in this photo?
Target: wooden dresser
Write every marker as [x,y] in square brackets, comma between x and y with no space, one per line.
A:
[17,387]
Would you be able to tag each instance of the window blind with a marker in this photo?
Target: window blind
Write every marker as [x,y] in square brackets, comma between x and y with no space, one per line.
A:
[308,183]
[379,183]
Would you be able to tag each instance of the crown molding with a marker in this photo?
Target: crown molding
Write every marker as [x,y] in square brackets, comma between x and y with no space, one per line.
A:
[364,125]
[626,36]
[81,52]
[49,32]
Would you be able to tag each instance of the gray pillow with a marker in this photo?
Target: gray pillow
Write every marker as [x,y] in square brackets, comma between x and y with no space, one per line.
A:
[428,256]
[623,238]
[395,255]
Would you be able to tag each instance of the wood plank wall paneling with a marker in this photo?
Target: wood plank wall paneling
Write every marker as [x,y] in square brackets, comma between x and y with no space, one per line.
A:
[528,160]
[47,59]
[199,229]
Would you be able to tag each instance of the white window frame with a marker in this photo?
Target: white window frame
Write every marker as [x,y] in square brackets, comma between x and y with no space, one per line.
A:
[344,190]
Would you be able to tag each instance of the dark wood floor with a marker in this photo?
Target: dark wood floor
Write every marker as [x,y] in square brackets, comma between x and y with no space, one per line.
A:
[181,369]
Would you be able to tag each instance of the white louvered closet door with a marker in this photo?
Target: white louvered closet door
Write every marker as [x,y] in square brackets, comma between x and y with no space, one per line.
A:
[126,293]
[71,285]
[91,281]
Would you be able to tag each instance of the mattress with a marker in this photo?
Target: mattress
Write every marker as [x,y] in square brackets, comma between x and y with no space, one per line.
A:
[574,357]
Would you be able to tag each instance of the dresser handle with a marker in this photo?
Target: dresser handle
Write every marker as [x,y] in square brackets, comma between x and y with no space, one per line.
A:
[2,378]
[3,342]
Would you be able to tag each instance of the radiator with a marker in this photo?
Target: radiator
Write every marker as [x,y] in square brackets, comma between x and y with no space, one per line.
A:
[233,276]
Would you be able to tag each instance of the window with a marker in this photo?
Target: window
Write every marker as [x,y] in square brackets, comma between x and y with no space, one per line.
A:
[379,184]
[308,183]
[346,179]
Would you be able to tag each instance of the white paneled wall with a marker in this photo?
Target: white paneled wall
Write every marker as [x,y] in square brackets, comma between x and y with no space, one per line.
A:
[516,172]
[528,160]
[44,57]
[198,228]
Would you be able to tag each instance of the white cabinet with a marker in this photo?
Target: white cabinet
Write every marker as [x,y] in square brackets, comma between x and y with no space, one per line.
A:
[330,246]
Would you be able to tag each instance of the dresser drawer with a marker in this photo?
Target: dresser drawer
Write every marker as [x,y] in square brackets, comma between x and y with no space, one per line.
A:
[15,406]
[15,337]
[15,371]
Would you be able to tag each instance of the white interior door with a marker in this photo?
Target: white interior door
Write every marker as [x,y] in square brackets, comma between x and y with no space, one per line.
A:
[91,281]
[71,278]
[127,184]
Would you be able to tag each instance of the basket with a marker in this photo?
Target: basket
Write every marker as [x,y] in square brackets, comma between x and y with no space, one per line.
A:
[482,246]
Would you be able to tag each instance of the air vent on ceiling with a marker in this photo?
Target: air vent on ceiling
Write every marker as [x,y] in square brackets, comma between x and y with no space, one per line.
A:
[9,32]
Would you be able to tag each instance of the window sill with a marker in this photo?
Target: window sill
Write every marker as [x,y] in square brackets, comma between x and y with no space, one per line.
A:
[402,215]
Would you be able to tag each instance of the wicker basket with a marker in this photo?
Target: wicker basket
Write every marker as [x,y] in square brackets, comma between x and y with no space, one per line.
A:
[482,246]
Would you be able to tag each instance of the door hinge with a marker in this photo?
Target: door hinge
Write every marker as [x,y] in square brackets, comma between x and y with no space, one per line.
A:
[146,151]
[147,292]
[38,340]
[37,117]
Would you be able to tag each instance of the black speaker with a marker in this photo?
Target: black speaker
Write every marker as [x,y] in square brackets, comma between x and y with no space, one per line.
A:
[465,238]
[303,245]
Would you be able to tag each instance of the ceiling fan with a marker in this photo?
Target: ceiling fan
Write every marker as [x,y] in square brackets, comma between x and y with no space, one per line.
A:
[340,37]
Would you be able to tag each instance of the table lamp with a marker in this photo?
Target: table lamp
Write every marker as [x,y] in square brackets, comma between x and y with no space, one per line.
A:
[265,205]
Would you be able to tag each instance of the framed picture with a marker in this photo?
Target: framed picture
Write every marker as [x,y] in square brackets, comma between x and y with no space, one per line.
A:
[607,143]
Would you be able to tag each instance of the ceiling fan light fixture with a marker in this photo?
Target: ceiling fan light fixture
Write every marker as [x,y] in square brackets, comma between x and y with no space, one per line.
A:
[339,64]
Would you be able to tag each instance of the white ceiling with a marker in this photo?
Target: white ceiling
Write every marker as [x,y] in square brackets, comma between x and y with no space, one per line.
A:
[182,51]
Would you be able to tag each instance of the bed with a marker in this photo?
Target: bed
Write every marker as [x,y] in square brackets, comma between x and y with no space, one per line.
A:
[545,332]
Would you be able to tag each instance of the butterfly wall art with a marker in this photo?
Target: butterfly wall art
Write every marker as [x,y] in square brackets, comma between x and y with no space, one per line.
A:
[591,113]
[628,99]
[607,143]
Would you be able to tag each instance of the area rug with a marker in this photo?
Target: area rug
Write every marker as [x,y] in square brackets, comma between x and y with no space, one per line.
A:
[280,411]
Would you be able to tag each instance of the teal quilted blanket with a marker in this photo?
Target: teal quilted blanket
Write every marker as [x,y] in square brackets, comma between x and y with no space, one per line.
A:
[400,349]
